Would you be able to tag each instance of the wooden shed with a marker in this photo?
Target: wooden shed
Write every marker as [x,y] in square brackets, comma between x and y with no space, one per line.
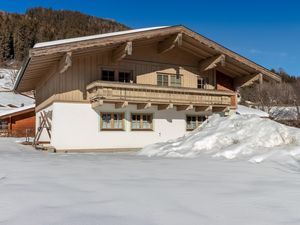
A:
[18,122]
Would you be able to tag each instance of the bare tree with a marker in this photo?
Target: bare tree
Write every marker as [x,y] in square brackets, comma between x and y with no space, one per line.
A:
[12,76]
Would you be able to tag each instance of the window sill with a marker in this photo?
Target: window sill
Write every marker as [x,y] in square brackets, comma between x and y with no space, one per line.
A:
[190,129]
[111,129]
[142,130]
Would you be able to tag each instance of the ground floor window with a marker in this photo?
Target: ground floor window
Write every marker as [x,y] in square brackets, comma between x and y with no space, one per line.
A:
[141,121]
[3,125]
[112,121]
[193,121]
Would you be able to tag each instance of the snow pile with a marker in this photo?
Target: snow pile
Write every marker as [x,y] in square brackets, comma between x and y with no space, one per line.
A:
[244,110]
[236,136]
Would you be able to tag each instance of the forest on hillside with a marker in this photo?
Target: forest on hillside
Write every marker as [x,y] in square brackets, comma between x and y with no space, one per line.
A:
[19,32]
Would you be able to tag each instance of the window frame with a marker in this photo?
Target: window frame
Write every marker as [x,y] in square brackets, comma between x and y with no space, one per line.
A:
[109,70]
[141,121]
[204,81]
[197,121]
[177,77]
[162,80]
[125,71]
[169,79]
[112,121]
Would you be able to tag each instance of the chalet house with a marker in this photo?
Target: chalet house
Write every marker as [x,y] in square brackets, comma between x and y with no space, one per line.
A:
[124,90]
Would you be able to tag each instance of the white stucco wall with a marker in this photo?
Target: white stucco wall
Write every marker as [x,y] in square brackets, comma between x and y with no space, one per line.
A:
[77,126]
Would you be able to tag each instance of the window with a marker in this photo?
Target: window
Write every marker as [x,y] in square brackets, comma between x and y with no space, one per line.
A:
[124,77]
[192,122]
[108,75]
[3,125]
[202,82]
[141,121]
[162,79]
[112,121]
[175,80]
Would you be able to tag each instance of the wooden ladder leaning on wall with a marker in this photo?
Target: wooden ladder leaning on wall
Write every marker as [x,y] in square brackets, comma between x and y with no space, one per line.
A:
[45,124]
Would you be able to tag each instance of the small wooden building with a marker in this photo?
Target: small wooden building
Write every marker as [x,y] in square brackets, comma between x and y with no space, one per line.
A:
[18,122]
[124,90]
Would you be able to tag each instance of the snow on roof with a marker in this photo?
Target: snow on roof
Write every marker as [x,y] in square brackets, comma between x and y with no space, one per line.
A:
[244,110]
[12,98]
[97,36]
[8,112]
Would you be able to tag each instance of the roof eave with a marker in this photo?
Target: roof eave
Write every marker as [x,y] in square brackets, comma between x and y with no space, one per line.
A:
[21,73]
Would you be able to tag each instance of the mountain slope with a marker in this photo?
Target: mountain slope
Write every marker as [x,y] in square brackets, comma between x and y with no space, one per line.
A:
[19,32]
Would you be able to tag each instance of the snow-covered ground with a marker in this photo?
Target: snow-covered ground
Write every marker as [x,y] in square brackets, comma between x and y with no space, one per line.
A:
[43,188]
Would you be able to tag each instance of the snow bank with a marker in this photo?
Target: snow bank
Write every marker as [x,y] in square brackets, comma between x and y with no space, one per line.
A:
[236,136]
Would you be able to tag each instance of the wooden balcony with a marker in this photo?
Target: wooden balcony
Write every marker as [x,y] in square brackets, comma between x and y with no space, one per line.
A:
[122,94]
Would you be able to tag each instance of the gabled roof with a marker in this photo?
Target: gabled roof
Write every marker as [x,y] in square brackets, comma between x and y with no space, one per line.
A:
[44,55]
[8,98]
[92,37]
[17,111]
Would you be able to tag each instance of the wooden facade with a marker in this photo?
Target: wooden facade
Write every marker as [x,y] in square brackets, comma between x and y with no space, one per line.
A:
[71,85]
[18,124]
[63,72]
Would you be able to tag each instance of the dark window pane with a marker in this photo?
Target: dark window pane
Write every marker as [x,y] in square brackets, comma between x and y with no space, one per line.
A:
[124,77]
[108,75]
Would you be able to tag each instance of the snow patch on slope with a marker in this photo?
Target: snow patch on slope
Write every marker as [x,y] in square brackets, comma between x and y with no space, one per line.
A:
[5,78]
[236,136]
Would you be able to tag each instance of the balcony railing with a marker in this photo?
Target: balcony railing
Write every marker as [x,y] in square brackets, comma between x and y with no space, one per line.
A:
[140,93]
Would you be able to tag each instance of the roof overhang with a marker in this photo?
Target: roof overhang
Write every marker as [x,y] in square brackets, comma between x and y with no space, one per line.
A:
[45,55]
[17,111]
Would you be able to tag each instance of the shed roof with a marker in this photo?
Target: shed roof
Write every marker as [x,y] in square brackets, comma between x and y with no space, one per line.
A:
[17,111]
[8,98]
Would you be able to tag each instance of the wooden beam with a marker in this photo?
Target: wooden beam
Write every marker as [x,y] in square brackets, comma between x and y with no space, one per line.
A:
[143,105]
[184,107]
[220,108]
[122,51]
[236,68]
[65,63]
[203,108]
[121,105]
[212,62]
[169,43]
[97,103]
[248,80]
[165,106]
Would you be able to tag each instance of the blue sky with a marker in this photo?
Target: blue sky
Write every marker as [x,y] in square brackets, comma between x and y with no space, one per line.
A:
[266,31]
